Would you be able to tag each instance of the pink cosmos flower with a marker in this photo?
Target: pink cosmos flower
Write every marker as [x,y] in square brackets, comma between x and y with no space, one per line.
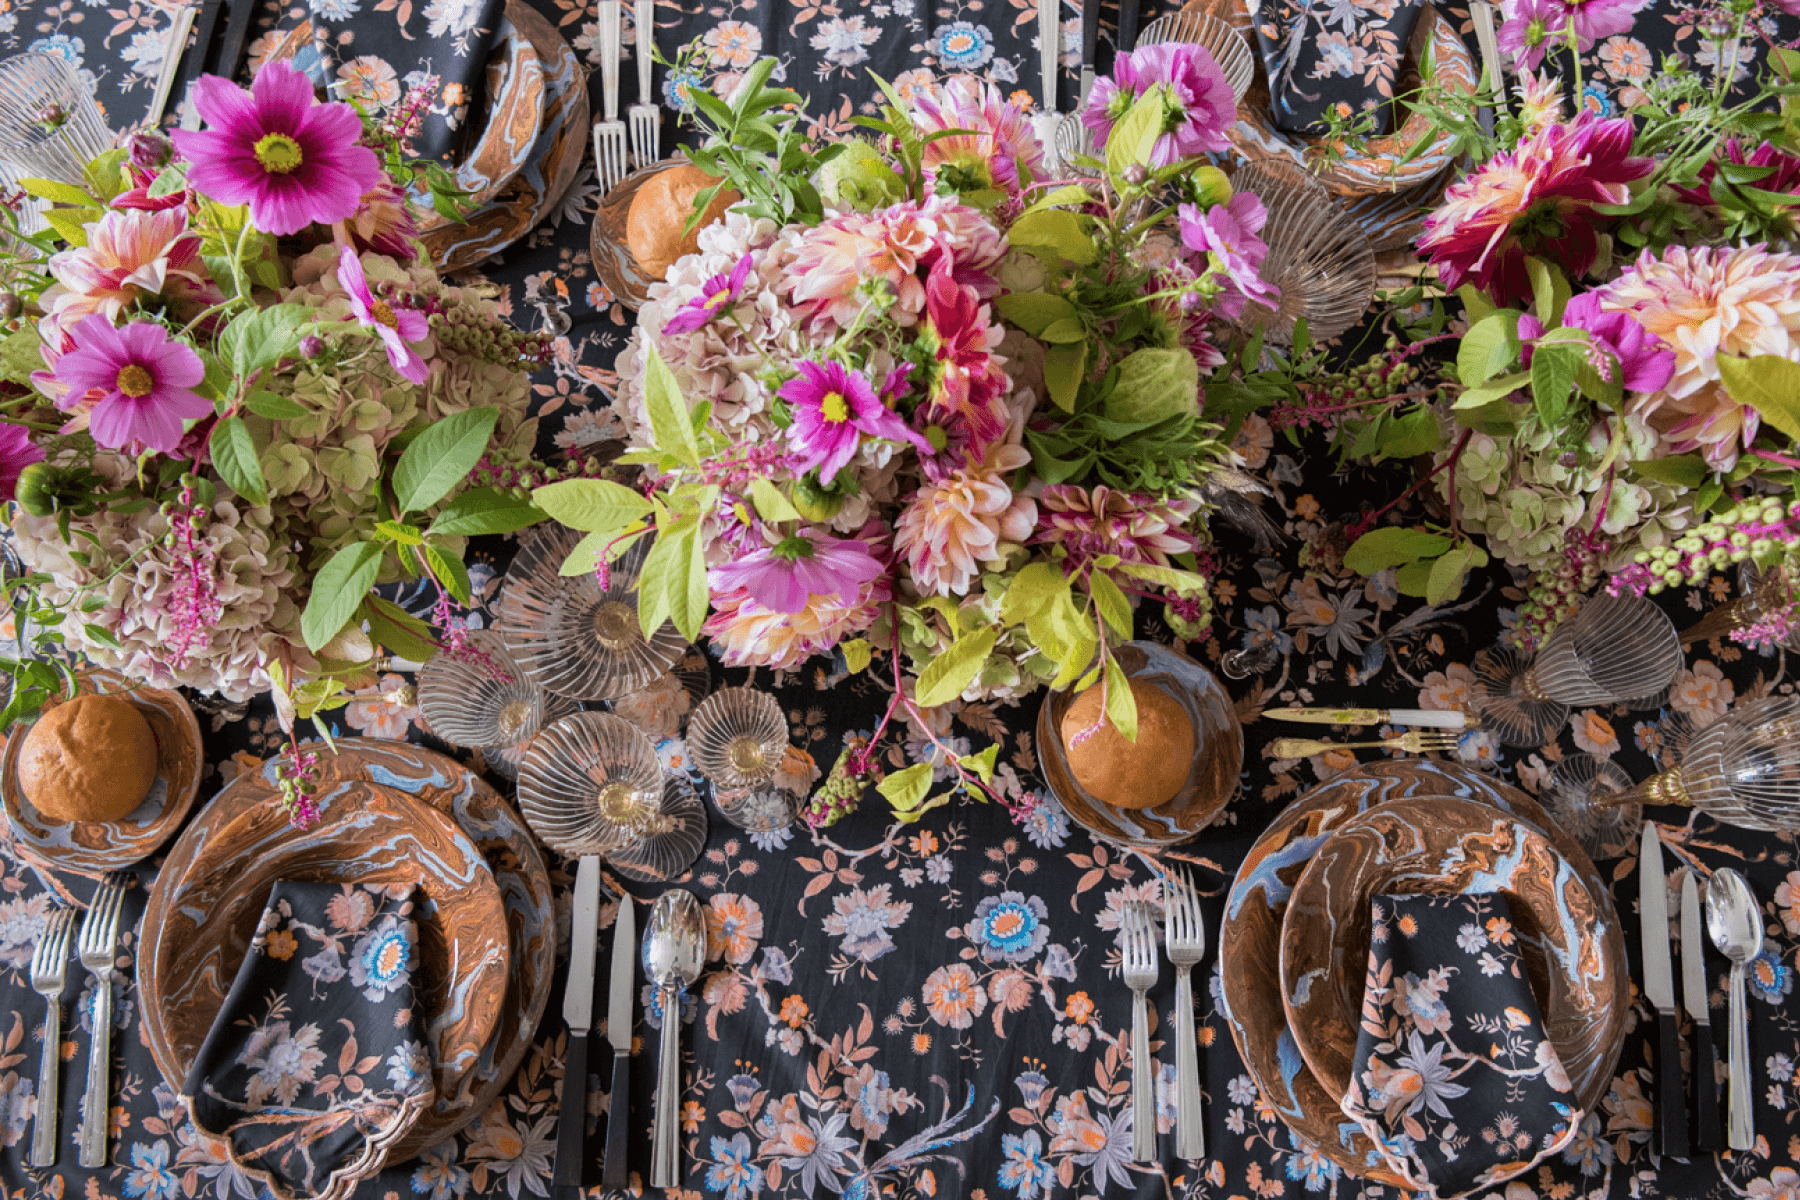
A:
[16,453]
[1532,27]
[1226,235]
[1198,103]
[747,633]
[1000,152]
[146,380]
[950,528]
[1538,199]
[397,327]
[834,408]
[276,148]
[968,382]
[1647,364]
[716,295]
[129,255]
[786,576]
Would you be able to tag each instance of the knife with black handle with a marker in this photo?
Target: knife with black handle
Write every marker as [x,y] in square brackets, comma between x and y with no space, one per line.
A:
[1708,1132]
[1659,989]
[1128,26]
[1090,48]
[618,1033]
[578,1011]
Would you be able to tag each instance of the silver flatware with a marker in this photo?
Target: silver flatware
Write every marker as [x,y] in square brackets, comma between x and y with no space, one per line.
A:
[99,948]
[1734,921]
[618,1032]
[1416,742]
[646,114]
[1128,26]
[1140,972]
[179,28]
[1706,1133]
[1184,936]
[1493,67]
[1046,120]
[674,952]
[1659,989]
[578,1011]
[1423,717]
[49,971]
[609,131]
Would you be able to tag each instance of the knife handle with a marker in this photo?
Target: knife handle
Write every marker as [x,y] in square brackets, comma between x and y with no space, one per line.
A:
[614,1174]
[571,1133]
[1671,1108]
[1708,1134]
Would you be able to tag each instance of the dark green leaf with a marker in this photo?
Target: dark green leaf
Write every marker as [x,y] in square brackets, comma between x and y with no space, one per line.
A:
[442,457]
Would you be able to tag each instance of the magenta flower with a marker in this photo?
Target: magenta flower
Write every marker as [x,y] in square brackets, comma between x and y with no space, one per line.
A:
[1533,27]
[1647,362]
[785,576]
[276,148]
[145,378]
[1226,237]
[834,408]
[16,453]
[716,295]
[1198,103]
[397,327]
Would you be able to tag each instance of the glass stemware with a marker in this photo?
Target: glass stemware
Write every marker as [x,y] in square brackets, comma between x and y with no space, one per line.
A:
[1763,596]
[1743,769]
[49,123]
[1585,799]
[761,809]
[737,737]
[1318,257]
[667,851]
[1226,45]
[485,700]
[1615,649]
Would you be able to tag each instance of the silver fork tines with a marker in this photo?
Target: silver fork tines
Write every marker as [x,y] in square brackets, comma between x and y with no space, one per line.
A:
[99,949]
[1140,976]
[1184,935]
[609,132]
[49,970]
[646,114]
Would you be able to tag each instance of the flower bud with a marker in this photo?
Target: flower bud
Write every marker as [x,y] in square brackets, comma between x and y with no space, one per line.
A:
[150,150]
[311,346]
[10,305]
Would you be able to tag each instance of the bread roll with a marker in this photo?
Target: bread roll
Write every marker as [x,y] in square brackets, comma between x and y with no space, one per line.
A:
[660,211]
[92,758]
[1125,774]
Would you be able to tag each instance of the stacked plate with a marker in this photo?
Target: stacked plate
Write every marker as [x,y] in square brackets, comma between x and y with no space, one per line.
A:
[390,813]
[1295,942]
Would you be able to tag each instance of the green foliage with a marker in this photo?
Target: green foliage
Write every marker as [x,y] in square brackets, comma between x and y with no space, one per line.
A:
[755,146]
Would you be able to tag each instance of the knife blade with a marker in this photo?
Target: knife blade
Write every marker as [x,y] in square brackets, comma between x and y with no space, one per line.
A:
[1090,47]
[1659,989]
[578,1011]
[174,49]
[1128,26]
[1708,1133]
[618,1032]
[1429,718]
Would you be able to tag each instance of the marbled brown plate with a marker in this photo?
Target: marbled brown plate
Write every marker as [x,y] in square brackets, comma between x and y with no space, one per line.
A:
[1436,845]
[614,262]
[93,848]
[1212,778]
[204,909]
[1250,940]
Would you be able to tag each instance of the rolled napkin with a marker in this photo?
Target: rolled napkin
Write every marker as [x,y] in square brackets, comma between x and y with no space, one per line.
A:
[1454,1078]
[318,1061]
[1342,55]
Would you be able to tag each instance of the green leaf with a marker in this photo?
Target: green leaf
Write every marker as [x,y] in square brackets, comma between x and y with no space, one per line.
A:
[1064,368]
[1060,333]
[771,503]
[275,408]
[1475,304]
[1412,434]
[442,457]
[1114,608]
[669,421]
[672,583]
[1448,573]
[1414,579]
[857,653]
[1056,232]
[905,789]
[101,636]
[1682,470]
[259,339]
[57,192]
[591,505]
[1391,546]
[1134,135]
[1121,705]
[1553,381]
[982,764]
[449,571]
[1550,291]
[1033,311]
[72,223]
[1067,194]
[485,510]
[234,457]
[1032,591]
[947,675]
[1182,583]
[402,633]
[401,532]
[1768,383]
[337,592]
[1489,347]
[1494,389]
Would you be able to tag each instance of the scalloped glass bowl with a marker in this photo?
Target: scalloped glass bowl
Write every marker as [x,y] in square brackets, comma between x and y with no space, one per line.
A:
[485,702]
[1318,257]
[1226,45]
[670,847]
[590,784]
[737,737]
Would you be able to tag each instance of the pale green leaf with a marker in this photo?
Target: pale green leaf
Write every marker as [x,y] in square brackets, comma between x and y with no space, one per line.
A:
[905,789]
[1121,705]
[1390,547]
[1057,232]
[857,653]
[1768,383]
[450,572]
[1033,311]
[441,457]
[1114,608]
[947,675]
[485,510]
[1490,346]
[337,591]
[1134,135]
[234,457]
[1031,591]
[670,422]
[982,764]
[591,505]
[1064,368]
[771,503]
[1447,574]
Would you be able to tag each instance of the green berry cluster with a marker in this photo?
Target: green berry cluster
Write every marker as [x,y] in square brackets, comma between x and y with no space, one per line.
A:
[1758,529]
[469,332]
[1557,589]
[838,796]
[517,473]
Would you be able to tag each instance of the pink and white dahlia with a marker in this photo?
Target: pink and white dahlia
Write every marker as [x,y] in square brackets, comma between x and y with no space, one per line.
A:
[967,381]
[1000,152]
[951,528]
[749,633]
[1707,303]
[129,255]
[1090,523]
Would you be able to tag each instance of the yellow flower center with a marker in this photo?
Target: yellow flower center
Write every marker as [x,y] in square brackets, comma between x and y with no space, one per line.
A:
[834,408]
[384,314]
[279,154]
[134,381]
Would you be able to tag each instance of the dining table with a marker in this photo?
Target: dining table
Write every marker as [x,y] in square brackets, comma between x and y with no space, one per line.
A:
[938,1008]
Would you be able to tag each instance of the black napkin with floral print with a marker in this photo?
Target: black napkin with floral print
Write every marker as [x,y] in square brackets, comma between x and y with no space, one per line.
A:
[1325,55]
[1454,1078]
[318,1062]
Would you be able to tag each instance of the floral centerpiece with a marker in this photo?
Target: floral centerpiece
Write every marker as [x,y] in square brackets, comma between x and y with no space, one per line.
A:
[238,397]
[916,401]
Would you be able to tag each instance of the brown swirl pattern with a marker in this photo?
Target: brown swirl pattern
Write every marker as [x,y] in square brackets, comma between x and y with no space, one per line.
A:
[1442,846]
[614,262]
[515,118]
[1250,939]
[93,848]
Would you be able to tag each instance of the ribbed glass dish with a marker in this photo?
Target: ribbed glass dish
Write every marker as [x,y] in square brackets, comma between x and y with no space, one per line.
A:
[761,809]
[485,699]
[591,784]
[1318,257]
[1743,769]
[1584,800]
[737,737]
[49,123]
[667,851]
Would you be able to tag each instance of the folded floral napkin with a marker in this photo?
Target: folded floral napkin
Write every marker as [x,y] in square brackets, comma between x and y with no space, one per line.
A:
[318,1061]
[1453,1078]
[1321,55]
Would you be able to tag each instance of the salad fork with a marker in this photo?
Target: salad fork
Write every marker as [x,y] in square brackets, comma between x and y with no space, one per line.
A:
[609,132]
[1416,742]
[1184,935]
[1140,976]
[99,950]
[49,970]
[646,114]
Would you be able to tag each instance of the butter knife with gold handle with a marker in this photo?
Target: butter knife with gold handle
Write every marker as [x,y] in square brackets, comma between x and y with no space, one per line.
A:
[1447,718]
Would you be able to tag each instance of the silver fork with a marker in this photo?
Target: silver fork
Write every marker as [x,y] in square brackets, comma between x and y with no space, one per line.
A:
[1184,935]
[609,132]
[99,948]
[49,970]
[1140,976]
[646,114]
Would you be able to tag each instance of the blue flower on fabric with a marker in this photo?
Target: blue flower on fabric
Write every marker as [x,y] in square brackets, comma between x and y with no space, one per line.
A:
[1310,1167]
[439,1176]
[408,1067]
[732,1172]
[150,1177]
[381,960]
[743,1089]
[1596,101]
[964,47]
[61,45]
[679,89]
[1046,825]
[1770,979]
[1025,1170]
[1031,1085]
[1010,927]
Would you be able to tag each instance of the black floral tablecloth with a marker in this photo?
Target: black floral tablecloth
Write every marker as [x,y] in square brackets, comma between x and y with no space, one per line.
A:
[937,1010]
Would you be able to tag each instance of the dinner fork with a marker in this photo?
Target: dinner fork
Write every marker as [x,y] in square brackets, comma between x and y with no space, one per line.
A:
[646,114]
[1184,935]
[609,132]
[99,950]
[49,970]
[1419,741]
[1140,976]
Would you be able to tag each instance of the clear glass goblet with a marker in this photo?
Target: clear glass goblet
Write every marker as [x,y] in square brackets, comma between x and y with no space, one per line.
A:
[760,809]
[1762,596]
[592,784]
[1319,258]
[1226,45]
[484,699]
[50,126]
[737,737]
[1586,800]
[1743,769]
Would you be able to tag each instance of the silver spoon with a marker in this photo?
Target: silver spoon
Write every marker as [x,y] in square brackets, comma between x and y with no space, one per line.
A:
[1734,922]
[674,952]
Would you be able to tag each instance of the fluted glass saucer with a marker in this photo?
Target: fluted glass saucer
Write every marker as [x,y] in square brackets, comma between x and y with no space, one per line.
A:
[483,698]
[737,737]
[667,851]
[591,784]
